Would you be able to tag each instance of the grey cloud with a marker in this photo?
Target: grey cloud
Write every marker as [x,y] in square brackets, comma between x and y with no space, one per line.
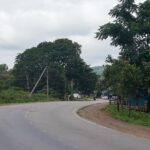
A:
[23,26]
[25,23]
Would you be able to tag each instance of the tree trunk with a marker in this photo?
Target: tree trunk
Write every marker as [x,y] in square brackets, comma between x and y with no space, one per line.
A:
[27,83]
[129,109]
[147,105]
[118,109]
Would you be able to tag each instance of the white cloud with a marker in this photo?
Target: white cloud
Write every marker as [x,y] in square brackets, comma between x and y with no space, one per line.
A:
[25,23]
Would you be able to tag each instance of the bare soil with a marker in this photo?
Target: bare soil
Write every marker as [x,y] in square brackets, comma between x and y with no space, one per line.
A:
[96,114]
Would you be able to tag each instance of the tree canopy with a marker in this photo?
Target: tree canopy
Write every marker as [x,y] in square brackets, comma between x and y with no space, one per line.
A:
[3,67]
[130,31]
[6,77]
[66,68]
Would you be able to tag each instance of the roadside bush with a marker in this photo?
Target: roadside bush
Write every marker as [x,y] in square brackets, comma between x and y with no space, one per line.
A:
[139,118]
[20,96]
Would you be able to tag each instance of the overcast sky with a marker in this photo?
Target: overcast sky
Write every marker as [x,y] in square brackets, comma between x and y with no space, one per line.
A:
[25,23]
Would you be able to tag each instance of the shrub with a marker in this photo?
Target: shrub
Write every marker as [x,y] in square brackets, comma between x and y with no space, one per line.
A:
[20,96]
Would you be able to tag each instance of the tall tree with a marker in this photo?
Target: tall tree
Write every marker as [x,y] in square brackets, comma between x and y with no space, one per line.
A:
[130,29]
[6,77]
[66,68]
[3,67]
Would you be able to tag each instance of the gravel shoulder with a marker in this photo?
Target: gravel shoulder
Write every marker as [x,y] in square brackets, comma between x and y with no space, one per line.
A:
[96,114]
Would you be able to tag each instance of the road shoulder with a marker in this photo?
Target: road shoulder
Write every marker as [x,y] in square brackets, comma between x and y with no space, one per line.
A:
[96,114]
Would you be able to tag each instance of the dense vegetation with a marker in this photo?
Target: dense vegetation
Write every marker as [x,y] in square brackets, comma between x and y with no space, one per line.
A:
[129,75]
[139,118]
[15,95]
[66,73]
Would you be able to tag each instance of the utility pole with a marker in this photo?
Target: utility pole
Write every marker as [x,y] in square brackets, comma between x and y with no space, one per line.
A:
[47,84]
[46,68]
[72,86]
[27,82]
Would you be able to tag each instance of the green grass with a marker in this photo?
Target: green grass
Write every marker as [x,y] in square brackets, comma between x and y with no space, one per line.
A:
[139,118]
[11,96]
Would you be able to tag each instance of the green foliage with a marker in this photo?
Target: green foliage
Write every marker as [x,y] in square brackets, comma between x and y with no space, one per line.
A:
[123,78]
[139,118]
[64,64]
[6,79]
[53,93]
[3,68]
[130,31]
[100,86]
[16,95]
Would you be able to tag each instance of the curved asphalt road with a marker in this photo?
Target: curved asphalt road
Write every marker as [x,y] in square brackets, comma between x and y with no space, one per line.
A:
[55,126]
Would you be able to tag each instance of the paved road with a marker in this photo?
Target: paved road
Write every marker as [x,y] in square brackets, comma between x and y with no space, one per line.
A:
[55,126]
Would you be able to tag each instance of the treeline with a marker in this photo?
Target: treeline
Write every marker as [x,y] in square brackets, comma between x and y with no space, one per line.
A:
[67,71]
[128,77]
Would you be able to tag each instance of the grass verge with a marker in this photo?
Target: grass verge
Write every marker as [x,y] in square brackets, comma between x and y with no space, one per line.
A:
[12,96]
[139,118]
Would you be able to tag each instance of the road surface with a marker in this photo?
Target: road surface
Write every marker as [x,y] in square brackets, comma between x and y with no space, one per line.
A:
[55,126]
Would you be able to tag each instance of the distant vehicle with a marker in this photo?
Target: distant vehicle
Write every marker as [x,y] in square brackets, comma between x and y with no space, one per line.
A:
[76,95]
[104,97]
[104,94]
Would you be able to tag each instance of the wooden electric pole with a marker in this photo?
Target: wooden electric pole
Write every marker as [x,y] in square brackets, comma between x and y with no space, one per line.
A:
[47,84]
[46,68]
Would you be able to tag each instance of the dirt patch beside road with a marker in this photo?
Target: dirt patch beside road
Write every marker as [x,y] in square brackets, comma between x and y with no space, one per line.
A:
[96,114]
